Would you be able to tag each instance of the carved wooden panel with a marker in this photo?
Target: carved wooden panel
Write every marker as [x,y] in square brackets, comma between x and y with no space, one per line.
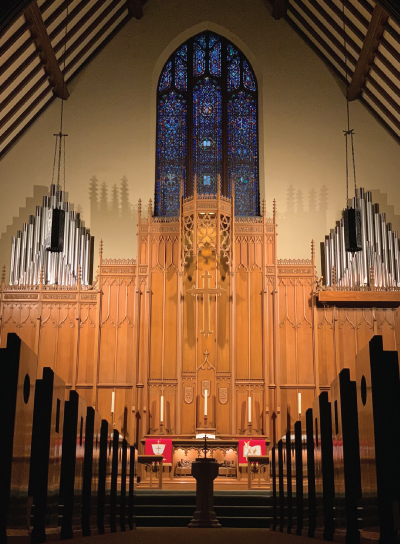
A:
[171,323]
[242,323]
[189,404]
[223,405]
[87,349]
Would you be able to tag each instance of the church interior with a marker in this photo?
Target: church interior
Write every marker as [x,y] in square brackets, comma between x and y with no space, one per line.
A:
[199,231]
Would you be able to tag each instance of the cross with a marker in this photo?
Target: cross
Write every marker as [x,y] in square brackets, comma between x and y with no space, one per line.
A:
[206,290]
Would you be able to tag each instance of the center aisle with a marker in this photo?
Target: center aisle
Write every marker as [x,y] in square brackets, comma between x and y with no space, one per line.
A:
[173,535]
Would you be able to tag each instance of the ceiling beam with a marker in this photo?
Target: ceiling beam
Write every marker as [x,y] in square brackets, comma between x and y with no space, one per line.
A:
[135,8]
[279,8]
[392,8]
[46,52]
[368,52]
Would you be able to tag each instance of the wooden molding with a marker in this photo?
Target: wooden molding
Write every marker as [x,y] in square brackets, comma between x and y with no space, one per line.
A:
[358,299]
[279,9]
[135,8]
[43,44]
[368,51]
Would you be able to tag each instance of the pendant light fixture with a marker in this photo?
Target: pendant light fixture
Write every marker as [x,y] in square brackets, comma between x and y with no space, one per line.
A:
[351,214]
[55,212]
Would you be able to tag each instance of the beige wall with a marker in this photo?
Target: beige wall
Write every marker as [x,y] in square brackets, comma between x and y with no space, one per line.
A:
[110,119]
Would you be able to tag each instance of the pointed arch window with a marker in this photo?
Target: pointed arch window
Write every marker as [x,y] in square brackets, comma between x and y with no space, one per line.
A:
[207,125]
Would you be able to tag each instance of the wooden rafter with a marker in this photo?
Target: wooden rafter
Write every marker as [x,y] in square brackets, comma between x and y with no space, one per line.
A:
[368,51]
[43,44]
[135,8]
[279,8]
[392,8]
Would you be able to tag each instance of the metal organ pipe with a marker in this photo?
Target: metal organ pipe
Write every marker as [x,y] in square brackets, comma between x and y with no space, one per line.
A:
[28,248]
[12,260]
[381,250]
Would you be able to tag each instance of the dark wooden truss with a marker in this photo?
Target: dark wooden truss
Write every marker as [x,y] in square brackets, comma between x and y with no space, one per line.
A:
[372,70]
[32,56]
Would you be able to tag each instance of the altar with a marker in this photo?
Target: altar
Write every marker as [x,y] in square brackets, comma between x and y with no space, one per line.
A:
[231,453]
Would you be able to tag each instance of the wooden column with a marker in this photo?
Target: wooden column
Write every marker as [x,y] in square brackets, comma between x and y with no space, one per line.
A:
[233,331]
[315,328]
[97,337]
[264,302]
[276,362]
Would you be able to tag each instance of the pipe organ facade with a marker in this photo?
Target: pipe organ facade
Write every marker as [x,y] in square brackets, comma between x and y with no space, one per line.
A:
[377,265]
[29,248]
[206,321]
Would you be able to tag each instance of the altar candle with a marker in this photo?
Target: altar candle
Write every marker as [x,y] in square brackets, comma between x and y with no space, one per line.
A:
[112,401]
[162,408]
[299,402]
[205,401]
[249,402]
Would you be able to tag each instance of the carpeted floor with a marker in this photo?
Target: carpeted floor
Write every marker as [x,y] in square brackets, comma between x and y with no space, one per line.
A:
[172,535]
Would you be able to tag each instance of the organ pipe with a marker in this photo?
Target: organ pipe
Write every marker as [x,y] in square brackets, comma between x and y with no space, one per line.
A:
[29,254]
[380,251]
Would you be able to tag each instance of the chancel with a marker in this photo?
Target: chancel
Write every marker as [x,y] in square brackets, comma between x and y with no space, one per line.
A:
[200,320]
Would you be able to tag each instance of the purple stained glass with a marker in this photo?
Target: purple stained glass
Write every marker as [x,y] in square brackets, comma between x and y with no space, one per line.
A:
[180,74]
[207,135]
[215,60]
[199,62]
[234,74]
[171,153]
[248,77]
[165,79]
[243,152]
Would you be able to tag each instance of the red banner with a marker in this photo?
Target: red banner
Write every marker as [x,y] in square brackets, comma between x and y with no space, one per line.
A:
[159,446]
[250,447]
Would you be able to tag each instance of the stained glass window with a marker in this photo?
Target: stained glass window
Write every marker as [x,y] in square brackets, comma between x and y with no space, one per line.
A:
[234,74]
[199,63]
[248,77]
[207,134]
[242,151]
[215,60]
[165,79]
[206,76]
[180,74]
[171,152]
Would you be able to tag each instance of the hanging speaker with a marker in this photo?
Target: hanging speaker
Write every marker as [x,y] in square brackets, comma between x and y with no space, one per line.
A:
[55,230]
[352,229]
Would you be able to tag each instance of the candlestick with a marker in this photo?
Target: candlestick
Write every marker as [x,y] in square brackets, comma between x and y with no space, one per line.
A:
[205,402]
[299,403]
[249,403]
[112,401]
[162,408]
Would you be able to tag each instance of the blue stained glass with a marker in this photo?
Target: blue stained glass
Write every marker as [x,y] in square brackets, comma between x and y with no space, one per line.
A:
[212,40]
[180,74]
[205,139]
[243,152]
[207,135]
[182,52]
[198,60]
[202,40]
[231,52]
[215,60]
[248,78]
[165,79]
[234,75]
[171,153]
